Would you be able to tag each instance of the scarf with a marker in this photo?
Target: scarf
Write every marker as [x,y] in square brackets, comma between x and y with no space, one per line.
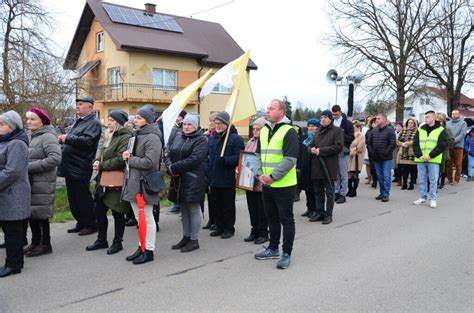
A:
[9,136]
[308,139]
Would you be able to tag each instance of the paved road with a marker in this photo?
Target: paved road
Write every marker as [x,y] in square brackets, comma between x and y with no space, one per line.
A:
[374,257]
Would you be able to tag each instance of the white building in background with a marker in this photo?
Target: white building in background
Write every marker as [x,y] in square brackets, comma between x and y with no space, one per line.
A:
[431,98]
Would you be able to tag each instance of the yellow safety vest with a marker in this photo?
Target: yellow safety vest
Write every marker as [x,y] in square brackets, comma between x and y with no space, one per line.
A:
[271,154]
[428,143]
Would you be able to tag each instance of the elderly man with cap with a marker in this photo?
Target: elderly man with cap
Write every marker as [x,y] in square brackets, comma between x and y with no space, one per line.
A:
[325,148]
[15,191]
[220,172]
[305,183]
[80,146]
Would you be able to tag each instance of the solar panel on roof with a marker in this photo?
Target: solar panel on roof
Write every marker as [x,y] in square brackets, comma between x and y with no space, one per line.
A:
[141,18]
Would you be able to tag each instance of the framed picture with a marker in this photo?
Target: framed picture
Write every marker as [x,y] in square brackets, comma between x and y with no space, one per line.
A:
[246,170]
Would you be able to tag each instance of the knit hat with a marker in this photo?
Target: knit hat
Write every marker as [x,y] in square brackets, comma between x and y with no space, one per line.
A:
[223,117]
[314,122]
[193,119]
[12,119]
[148,113]
[42,115]
[327,113]
[119,116]
[260,122]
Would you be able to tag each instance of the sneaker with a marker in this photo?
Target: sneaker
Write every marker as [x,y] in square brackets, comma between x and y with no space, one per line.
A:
[432,204]
[419,201]
[284,261]
[267,254]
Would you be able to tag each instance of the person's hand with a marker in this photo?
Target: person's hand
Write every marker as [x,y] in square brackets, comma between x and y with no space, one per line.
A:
[62,138]
[260,179]
[125,155]
[315,151]
[425,158]
[404,145]
[95,165]
[266,179]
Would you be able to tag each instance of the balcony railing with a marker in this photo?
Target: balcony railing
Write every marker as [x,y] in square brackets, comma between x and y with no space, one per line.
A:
[135,92]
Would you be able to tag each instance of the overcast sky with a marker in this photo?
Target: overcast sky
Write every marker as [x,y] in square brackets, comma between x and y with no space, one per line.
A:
[283,36]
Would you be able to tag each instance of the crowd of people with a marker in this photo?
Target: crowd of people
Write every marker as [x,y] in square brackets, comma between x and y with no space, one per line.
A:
[128,157]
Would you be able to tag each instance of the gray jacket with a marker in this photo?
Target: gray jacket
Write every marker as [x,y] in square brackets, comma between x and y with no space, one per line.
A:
[15,191]
[144,159]
[459,129]
[44,158]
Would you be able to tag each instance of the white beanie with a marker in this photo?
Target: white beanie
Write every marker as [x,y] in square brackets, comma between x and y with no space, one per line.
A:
[193,119]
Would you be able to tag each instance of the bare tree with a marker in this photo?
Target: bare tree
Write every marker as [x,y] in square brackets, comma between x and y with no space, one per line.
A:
[447,54]
[380,36]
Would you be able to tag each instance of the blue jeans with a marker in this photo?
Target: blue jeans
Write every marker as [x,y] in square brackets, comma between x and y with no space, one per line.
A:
[342,180]
[470,165]
[384,176]
[428,172]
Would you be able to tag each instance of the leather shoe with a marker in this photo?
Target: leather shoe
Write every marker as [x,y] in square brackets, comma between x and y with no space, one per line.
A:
[250,238]
[114,248]
[227,235]
[75,229]
[183,242]
[316,218]
[216,233]
[307,213]
[260,240]
[312,214]
[379,197]
[213,227]
[98,244]
[336,196]
[190,246]
[341,199]
[39,250]
[327,220]
[147,256]
[131,222]
[7,271]
[135,254]
[208,225]
[88,231]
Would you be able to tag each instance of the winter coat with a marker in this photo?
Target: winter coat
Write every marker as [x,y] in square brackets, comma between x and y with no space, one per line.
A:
[469,143]
[185,162]
[459,129]
[406,154]
[356,154]
[220,171]
[80,148]
[145,159]
[111,160]
[330,141]
[15,190]
[381,143]
[44,157]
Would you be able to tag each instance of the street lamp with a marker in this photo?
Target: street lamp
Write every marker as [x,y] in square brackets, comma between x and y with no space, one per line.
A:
[355,77]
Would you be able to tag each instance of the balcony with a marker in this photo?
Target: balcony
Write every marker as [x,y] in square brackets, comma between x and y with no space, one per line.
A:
[135,92]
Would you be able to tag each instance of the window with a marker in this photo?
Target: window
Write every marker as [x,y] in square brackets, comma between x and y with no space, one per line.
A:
[221,89]
[113,77]
[100,42]
[164,79]
[425,101]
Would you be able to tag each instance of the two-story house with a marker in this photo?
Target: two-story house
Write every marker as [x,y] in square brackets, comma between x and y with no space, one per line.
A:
[126,57]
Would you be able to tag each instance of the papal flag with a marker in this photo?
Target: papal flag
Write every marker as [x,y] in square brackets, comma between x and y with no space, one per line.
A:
[170,115]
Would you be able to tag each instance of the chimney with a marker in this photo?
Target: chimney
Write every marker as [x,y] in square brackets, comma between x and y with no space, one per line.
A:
[150,8]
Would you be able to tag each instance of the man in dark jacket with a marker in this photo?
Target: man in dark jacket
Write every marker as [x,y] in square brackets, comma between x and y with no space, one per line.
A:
[429,143]
[342,180]
[381,144]
[220,172]
[325,149]
[80,146]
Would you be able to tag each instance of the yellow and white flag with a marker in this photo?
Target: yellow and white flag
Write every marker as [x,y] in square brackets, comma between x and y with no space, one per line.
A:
[170,115]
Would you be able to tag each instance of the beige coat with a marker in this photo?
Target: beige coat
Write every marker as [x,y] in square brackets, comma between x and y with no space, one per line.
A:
[357,152]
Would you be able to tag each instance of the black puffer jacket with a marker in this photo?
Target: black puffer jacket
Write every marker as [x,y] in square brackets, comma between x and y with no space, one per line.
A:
[382,142]
[185,161]
[80,148]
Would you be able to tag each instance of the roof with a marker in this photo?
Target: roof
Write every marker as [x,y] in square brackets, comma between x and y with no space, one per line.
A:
[207,42]
[442,93]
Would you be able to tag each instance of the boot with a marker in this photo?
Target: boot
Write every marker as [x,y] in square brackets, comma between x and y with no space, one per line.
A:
[147,256]
[411,186]
[190,246]
[350,192]
[181,244]
[135,255]
[354,187]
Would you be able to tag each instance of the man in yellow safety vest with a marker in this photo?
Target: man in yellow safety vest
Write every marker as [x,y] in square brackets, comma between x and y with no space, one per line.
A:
[429,145]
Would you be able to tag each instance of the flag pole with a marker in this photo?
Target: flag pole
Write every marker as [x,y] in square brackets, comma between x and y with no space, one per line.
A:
[230,124]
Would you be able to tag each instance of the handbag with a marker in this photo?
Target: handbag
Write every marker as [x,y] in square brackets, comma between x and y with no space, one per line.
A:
[154,182]
[111,179]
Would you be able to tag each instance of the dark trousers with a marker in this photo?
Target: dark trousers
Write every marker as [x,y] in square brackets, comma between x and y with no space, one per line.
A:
[81,203]
[13,231]
[258,220]
[278,204]
[103,223]
[223,202]
[324,194]
[210,207]
[310,196]
[408,170]
[40,234]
